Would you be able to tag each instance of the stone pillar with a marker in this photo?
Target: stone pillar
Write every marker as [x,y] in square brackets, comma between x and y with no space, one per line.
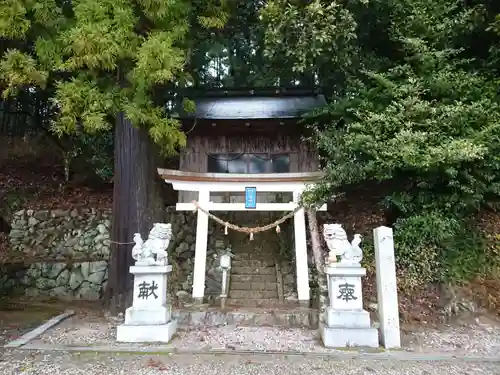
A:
[149,317]
[346,324]
[302,266]
[200,255]
[387,293]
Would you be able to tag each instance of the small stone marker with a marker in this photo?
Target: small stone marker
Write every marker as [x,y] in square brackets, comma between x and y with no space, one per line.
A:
[149,319]
[387,292]
[345,323]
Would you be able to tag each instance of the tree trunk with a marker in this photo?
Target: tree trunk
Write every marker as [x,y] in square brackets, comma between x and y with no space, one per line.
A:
[318,261]
[315,240]
[137,204]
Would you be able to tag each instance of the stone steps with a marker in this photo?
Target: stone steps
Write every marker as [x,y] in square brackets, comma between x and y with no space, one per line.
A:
[253,278]
[254,285]
[251,294]
[251,256]
[248,316]
[256,278]
[257,263]
[254,302]
[253,271]
[272,303]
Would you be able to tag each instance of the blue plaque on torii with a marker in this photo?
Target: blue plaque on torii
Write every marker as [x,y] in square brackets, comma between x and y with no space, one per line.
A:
[250,198]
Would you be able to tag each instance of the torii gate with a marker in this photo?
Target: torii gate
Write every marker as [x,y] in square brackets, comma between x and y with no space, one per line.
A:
[206,183]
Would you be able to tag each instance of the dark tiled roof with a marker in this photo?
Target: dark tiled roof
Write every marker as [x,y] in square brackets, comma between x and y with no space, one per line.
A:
[254,107]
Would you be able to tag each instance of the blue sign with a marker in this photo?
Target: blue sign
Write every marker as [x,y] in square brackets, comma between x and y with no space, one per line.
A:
[250,198]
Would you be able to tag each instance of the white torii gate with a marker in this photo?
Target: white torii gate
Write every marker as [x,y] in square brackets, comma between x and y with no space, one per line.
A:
[206,183]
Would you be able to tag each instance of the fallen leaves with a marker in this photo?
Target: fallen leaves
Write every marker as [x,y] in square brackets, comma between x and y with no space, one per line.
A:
[157,364]
[32,185]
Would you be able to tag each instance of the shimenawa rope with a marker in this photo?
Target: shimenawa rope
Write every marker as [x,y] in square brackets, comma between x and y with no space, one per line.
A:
[235,227]
[247,230]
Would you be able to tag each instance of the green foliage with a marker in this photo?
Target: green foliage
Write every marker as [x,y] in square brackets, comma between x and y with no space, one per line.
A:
[163,131]
[189,106]
[158,60]
[103,57]
[418,240]
[19,70]
[310,42]
[423,124]
[82,103]
[440,23]
[307,32]
[428,125]
[102,35]
[13,21]
[97,153]
[433,247]
[495,25]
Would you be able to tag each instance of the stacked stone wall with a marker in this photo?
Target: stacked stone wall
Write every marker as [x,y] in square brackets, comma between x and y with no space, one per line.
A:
[73,248]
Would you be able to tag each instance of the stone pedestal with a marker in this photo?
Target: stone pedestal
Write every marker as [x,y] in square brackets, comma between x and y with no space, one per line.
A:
[345,323]
[149,317]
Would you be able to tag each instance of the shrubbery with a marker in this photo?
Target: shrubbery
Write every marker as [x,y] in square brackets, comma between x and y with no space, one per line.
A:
[414,111]
[96,152]
[427,130]
[435,248]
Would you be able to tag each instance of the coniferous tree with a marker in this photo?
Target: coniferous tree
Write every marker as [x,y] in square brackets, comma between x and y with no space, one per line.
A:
[103,61]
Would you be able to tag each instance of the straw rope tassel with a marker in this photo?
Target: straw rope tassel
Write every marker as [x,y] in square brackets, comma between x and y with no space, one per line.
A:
[246,230]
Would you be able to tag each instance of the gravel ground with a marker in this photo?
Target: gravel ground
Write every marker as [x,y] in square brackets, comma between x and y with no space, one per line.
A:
[46,363]
[12,328]
[472,339]
[12,332]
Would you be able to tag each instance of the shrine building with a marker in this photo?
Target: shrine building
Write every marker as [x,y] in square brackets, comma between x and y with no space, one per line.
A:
[246,162]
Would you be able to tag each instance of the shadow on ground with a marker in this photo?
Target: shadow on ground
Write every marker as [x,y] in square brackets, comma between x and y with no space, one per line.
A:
[19,316]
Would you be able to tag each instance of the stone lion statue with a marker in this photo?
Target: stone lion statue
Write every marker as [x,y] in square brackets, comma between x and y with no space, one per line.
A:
[154,250]
[338,245]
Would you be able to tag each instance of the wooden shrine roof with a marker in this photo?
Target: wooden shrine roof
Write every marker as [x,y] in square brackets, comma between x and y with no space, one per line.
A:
[254,107]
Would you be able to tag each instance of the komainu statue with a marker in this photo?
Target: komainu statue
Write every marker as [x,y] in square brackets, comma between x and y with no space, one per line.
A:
[153,252]
[338,245]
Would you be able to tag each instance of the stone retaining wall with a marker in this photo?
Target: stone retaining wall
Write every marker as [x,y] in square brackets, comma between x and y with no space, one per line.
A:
[76,234]
[58,235]
[181,256]
[63,235]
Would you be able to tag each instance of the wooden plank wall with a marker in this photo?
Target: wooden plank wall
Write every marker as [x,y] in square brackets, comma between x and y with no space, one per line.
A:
[194,158]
